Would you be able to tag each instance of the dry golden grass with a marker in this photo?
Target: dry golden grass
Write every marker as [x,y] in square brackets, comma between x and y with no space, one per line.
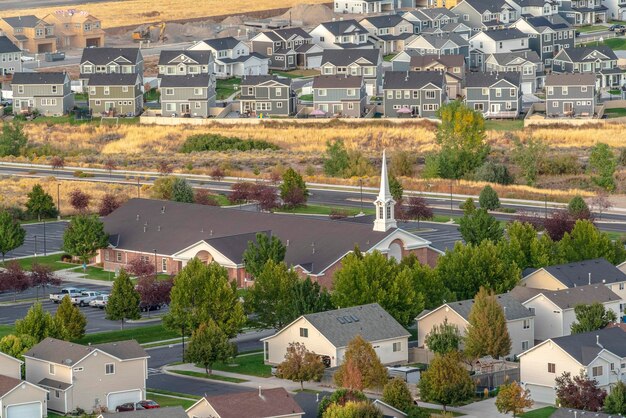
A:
[134,12]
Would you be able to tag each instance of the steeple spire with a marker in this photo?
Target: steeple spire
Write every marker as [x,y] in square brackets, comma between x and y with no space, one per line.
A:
[384,203]
[384,193]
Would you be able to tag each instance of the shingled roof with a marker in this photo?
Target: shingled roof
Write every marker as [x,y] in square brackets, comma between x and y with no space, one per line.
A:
[7,384]
[39,78]
[264,403]
[201,57]
[568,298]
[480,80]
[343,58]
[586,346]
[220,44]
[581,273]
[167,412]
[188,80]
[337,82]
[104,55]
[112,79]
[27,21]
[255,80]
[7,46]
[412,79]
[67,353]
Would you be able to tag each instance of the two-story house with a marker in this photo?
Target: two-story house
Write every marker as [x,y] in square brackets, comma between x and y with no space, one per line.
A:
[10,61]
[589,12]
[430,18]
[188,95]
[495,95]
[495,41]
[446,44]
[341,34]
[616,9]
[286,48]
[50,94]
[340,95]
[388,32]
[598,60]
[570,95]
[419,94]
[527,63]
[110,61]
[366,63]
[232,57]
[452,66]
[600,355]
[177,62]
[481,14]
[87,377]
[30,33]
[459,28]
[547,35]
[535,8]
[115,94]
[76,29]
[367,6]
[19,398]
[267,94]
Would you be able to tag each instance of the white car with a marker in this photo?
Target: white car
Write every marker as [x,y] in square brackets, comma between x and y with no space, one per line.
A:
[26,58]
[100,301]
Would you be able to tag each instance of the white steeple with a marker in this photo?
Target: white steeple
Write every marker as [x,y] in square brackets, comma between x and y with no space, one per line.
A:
[384,203]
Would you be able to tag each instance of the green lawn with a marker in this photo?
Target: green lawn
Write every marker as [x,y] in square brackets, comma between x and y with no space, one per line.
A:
[544,412]
[306,97]
[614,43]
[439,412]
[169,392]
[504,125]
[167,401]
[6,330]
[225,88]
[615,92]
[152,95]
[81,96]
[52,261]
[209,376]
[249,364]
[96,273]
[143,335]
[326,210]
[615,113]
[389,57]
[54,415]
[297,73]
[591,28]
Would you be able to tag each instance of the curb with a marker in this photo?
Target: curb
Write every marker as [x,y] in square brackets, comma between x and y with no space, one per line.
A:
[201,379]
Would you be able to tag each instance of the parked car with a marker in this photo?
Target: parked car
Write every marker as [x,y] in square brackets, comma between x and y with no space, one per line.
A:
[66,291]
[129,406]
[616,27]
[100,301]
[148,404]
[84,298]
[145,307]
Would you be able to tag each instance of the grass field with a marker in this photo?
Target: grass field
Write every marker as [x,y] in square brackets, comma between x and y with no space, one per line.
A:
[145,334]
[615,113]
[326,210]
[615,43]
[225,88]
[544,412]
[52,261]
[6,330]
[209,376]
[247,364]
[167,401]
[591,28]
[297,73]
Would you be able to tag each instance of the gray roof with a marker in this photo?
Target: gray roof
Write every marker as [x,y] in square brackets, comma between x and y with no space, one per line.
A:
[39,78]
[67,353]
[337,81]
[104,55]
[189,80]
[201,57]
[168,412]
[115,79]
[384,21]
[412,79]
[513,309]
[476,79]
[288,33]
[433,13]
[270,403]
[54,384]
[421,61]
[439,40]
[569,79]
[28,21]
[7,46]
[584,347]
[569,298]
[505,58]
[505,34]
[343,58]
[371,322]
[220,44]
[339,27]
[319,242]
[554,22]
[577,273]
[254,80]
[483,5]
[589,53]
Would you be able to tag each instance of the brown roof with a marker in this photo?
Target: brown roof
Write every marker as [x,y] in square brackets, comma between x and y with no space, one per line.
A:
[67,353]
[569,79]
[7,384]
[445,60]
[269,403]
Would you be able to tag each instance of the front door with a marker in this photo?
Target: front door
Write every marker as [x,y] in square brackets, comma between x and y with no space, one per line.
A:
[495,108]
[185,108]
[108,106]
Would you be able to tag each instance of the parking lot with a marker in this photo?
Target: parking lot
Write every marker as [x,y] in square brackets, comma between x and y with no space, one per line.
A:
[35,244]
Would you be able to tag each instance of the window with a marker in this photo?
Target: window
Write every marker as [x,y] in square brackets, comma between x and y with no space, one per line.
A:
[98,102]
[51,368]
[125,89]
[564,90]
[109,368]
[583,89]
[555,104]
[509,105]
[397,347]
[164,264]
[596,371]
[512,92]
[267,350]
[321,92]
[551,368]
[350,106]
[106,90]
[170,107]
[498,92]
[526,324]
[304,332]
[169,92]
[485,92]
[57,393]
[55,89]
[197,91]
[20,89]
[524,345]
[550,90]
[278,91]
[430,94]
[390,94]
[269,51]
[388,212]
[466,17]
[118,256]
[621,286]
[48,102]
[106,255]
[407,94]
[279,105]
[351,92]
[612,366]
[479,106]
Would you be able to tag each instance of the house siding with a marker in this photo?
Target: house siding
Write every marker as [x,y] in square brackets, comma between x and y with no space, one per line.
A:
[185,96]
[28,394]
[337,101]
[268,94]
[37,370]
[131,100]
[581,102]
[35,95]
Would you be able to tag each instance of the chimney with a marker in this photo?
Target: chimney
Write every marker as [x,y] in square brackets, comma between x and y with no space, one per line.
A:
[163,209]
[159,228]
[287,244]
[144,229]
[137,216]
[260,392]
[598,342]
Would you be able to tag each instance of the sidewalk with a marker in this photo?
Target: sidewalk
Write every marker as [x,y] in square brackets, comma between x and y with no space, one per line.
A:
[78,277]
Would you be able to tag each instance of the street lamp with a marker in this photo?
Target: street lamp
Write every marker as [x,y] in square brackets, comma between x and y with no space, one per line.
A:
[361,186]
[59,201]
[35,237]
[44,237]
[138,192]
[545,198]
[450,194]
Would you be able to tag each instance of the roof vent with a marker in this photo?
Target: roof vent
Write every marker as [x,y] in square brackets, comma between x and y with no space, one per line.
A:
[287,243]
[598,342]
[159,228]
[144,229]
[137,216]
[163,209]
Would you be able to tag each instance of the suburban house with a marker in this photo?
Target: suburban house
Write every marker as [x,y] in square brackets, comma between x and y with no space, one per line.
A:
[495,95]
[115,94]
[341,34]
[622,267]
[387,410]
[267,94]
[366,63]
[365,6]
[554,309]
[530,8]
[282,47]
[340,95]
[520,321]
[163,412]
[547,35]
[589,12]
[581,273]
[459,28]
[569,95]
[600,354]
[453,67]
[20,399]
[388,32]
[10,366]
[188,95]
[49,94]
[189,62]
[232,57]
[328,334]
[76,29]
[430,18]
[88,377]
[315,247]
[264,403]
[494,42]
[526,63]
[598,60]
[110,61]
[482,15]
[445,44]
[10,61]
[421,93]
[30,33]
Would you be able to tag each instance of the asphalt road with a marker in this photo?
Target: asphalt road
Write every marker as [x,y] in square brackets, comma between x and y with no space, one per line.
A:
[41,238]
[19,4]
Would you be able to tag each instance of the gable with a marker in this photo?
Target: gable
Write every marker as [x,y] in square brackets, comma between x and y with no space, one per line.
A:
[503,84]
[261,37]
[541,279]
[201,247]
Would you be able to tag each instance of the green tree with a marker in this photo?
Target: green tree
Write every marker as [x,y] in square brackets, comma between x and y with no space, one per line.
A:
[493,173]
[402,163]
[513,398]
[293,185]
[259,252]
[12,140]
[201,293]
[479,226]
[163,187]
[40,203]
[372,277]
[37,323]
[397,394]
[300,365]
[586,242]
[591,317]
[208,345]
[336,161]
[124,300]
[461,139]
[468,207]
[84,236]
[11,233]
[361,355]
[309,297]
[443,338]
[69,321]
[519,249]
[16,345]
[602,165]
[577,207]
[395,188]
[486,332]
[529,157]
[488,199]
[427,282]
[182,191]
[351,409]
[446,381]
[615,403]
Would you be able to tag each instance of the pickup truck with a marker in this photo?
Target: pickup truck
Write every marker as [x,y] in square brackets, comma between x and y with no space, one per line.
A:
[66,291]
[84,298]
[100,301]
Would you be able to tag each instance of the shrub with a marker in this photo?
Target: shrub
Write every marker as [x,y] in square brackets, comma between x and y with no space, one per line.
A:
[208,142]
[560,164]
[493,173]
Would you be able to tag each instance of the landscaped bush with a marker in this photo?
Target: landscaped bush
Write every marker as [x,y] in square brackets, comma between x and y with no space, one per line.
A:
[560,164]
[199,143]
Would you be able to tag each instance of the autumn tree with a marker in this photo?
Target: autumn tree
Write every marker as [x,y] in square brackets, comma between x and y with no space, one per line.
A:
[477,226]
[266,197]
[203,197]
[340,397]
[123,303]
[300,365]
[602,203]
[443,338]
[163,168]
[614,403]
[57,162]
[14,279]
[558,223]
[37,323]
[42,276]
[591,317]
[293,190]
[84,236]
[208,345]
[108,204]
[11,233]
[363,409]
[79,200]
[513,398]
[579,392]
[264,248]
[217,174]
[153,292]
[241,192]
[417,208]
[110,165]
[361,356]
[162,188]
[446,381]
[397,394]
[40,203]
[486,332]
[69,321]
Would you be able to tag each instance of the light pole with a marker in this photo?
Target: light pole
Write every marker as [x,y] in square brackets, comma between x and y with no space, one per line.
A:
[59,201]
[450,194]
[35,236]
[44,237]
[361,186]
[545,197]
[138,192]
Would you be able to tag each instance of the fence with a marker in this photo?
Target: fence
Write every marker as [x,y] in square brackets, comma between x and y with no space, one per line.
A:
[496,378]
[420,355]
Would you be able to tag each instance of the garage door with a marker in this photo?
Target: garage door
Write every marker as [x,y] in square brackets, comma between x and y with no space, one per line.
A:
[28,410]
[527,88]
[541,394]
[314,62]
[118,398]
